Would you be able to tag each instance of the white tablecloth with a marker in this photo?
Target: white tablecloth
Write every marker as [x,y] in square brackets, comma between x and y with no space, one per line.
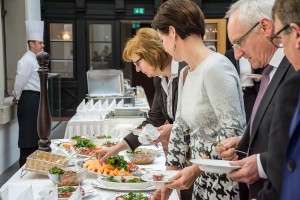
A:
[15,185]
[115,127]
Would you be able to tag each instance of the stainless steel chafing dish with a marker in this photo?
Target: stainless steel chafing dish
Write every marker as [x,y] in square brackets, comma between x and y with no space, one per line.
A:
[108,82]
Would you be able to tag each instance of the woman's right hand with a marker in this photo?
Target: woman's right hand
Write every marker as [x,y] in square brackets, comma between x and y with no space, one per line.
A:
[104,153]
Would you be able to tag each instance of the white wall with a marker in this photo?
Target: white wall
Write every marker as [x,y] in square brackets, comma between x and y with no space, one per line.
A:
[8,145]
[17,13]
[2,83]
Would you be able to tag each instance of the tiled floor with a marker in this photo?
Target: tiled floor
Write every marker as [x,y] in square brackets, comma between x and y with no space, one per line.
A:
[57,132]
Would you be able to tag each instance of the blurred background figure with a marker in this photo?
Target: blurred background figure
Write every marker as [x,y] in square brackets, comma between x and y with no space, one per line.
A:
[105,53]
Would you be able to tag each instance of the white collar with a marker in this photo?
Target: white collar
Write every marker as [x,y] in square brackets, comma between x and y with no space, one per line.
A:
[277,57]
[174,69]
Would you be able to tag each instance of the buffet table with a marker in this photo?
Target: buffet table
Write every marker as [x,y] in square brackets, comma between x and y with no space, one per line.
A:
[115,127]
[16,185]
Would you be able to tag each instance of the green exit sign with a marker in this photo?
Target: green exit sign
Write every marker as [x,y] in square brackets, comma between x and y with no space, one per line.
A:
[138,11]
[135,25]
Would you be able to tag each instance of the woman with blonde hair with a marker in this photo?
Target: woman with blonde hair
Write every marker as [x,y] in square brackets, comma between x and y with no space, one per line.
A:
[147,53]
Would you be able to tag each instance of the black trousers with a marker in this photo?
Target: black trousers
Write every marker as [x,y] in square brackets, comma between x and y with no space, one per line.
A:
[24,153]
[187,194]
[27,112]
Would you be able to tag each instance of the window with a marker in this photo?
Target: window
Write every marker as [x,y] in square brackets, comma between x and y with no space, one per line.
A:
[100,46]
[61,49]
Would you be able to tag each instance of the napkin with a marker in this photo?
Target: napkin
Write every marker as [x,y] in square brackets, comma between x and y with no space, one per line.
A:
[98,105]
[25,194]
[81,109]
[99,112]
[149,132]
[120,104]
[59,151]
[81,105]
[77,195]
[4,194]
[62,151]
[112,105]
[90,104]
[105,104]
[53,195]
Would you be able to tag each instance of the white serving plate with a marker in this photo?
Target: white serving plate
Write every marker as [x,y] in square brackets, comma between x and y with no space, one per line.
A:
[150,188]
[103,181]
[45,193]
[214,166]
[58,142]
[167,174]
[257,76]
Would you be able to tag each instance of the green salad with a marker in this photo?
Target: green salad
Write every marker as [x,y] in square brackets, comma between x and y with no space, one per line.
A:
[117,161]
[85,143]
[132,180]
[135,196]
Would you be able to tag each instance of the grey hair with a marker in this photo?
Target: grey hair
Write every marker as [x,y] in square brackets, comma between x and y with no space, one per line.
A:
[251,11]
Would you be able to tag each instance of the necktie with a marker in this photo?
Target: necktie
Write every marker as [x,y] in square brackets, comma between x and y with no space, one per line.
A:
[264,82]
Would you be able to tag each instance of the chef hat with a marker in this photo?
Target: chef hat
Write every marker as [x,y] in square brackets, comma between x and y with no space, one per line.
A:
[35,30]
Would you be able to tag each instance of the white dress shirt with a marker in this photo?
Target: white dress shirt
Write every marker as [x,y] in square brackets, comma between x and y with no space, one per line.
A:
[27,77]
[275,62]
[167,86]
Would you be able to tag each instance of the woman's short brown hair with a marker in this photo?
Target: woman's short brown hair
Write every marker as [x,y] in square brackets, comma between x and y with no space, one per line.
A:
[148,46]
[184,15]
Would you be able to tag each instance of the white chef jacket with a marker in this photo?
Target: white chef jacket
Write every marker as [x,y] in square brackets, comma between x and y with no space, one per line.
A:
[27,77]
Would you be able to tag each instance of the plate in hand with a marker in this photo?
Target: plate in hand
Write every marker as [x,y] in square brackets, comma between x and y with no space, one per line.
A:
[215,166]
[257,76]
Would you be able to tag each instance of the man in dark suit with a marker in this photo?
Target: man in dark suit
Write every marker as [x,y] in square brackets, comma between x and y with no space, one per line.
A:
[250,86]
[251,40]
[286,121]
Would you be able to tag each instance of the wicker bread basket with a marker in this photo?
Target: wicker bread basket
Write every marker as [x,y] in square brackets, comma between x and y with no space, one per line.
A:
[41,162]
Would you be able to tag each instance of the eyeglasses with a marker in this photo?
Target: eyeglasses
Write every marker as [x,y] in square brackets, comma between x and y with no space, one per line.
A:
[137,63]
[238,43]
[276,39]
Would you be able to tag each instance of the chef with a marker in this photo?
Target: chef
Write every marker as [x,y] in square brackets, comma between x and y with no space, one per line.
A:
[27,91]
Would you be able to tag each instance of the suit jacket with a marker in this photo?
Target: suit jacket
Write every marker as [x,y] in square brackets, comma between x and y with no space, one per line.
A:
[290,188]
[158,114]
[257,142]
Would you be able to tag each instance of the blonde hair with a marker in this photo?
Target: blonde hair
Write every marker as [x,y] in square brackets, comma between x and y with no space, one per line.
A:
[148,46]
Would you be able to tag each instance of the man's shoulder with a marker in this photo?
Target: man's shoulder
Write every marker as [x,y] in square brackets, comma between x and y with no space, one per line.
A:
[293,79]
[28,57]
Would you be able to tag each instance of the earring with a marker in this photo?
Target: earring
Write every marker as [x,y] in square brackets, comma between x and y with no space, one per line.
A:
[174,46]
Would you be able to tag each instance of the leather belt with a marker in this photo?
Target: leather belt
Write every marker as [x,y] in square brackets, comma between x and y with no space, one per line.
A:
[248,90]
